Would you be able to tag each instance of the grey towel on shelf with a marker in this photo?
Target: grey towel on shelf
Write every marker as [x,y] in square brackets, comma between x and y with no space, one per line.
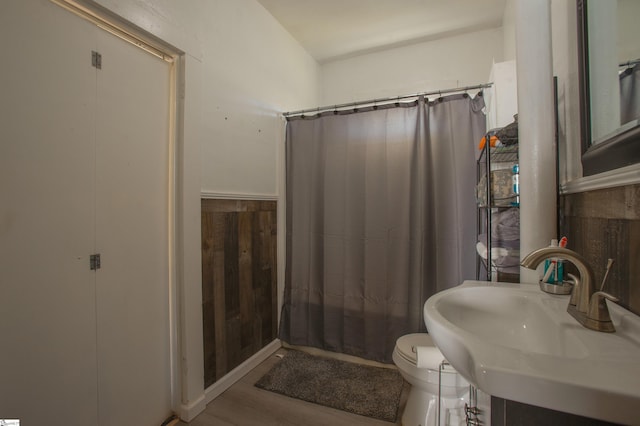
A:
[505,225]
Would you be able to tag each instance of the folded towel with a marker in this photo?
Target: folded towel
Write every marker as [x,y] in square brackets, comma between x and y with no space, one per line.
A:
[428,357]
[496,252]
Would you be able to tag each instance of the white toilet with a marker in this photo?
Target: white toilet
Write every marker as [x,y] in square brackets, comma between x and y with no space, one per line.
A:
[422,405]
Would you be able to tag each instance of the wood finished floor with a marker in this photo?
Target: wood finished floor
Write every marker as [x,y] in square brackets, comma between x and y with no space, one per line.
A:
[243,404]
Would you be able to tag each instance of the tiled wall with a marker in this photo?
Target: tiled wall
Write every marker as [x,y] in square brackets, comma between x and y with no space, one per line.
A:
[605,224]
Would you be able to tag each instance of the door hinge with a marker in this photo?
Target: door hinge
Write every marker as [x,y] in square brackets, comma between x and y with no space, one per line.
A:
[94,261]
[96,60]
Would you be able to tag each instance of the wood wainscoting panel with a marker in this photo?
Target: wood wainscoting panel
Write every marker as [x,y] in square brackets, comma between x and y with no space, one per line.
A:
[239,296]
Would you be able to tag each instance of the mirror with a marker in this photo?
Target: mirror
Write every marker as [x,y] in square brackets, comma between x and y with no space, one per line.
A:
[609,57]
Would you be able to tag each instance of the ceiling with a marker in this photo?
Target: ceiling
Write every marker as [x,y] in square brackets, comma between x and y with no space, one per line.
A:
[336,29]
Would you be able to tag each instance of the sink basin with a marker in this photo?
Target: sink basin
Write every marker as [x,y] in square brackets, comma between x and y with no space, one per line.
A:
[510,319]
[516,342]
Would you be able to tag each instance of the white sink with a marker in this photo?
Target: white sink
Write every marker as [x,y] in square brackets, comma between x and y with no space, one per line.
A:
[516,342]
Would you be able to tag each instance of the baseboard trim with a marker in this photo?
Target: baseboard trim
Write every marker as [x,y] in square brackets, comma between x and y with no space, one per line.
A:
[213,391]
[339,356]
[190,411]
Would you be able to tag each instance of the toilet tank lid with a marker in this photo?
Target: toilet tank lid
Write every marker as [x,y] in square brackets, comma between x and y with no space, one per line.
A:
[408,342]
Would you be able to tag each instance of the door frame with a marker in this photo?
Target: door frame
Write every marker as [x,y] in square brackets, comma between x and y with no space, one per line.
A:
[116,25]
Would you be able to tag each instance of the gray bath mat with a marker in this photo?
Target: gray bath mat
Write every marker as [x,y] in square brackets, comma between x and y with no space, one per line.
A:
[364,390]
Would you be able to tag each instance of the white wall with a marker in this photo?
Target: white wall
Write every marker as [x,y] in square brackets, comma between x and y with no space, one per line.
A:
[451,62]
[501,99]
[509,30]
[252,69]
[242,69]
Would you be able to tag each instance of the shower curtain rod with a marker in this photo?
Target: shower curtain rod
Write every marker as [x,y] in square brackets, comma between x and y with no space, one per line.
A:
[629,63]
[396,98]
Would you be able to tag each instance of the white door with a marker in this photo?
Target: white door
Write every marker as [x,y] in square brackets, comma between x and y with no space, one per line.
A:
[47,291]
[84,160]
[132,186]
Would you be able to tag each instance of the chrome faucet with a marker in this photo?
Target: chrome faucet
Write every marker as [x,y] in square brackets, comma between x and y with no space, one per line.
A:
[586,305]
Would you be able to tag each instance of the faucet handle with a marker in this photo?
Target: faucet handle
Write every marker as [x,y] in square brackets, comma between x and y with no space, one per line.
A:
[598,310]
[610,263]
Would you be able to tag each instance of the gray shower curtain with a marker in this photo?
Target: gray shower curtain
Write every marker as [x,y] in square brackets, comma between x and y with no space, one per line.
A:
[380,216]
[630,94]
